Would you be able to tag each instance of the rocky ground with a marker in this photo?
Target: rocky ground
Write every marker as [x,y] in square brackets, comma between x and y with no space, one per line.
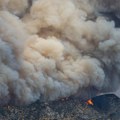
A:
[104,108]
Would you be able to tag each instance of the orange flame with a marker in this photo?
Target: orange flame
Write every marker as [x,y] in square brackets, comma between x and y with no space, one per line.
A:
[90,102]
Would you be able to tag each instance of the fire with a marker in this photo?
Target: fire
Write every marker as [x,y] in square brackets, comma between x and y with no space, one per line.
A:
[90,102]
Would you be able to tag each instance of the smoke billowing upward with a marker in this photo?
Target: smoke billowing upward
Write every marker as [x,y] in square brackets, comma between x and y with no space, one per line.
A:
[56,48]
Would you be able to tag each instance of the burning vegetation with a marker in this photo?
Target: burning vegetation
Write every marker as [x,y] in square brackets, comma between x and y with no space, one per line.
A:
[89,102]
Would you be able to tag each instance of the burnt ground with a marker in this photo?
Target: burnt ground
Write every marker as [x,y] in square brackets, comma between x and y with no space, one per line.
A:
[106,107]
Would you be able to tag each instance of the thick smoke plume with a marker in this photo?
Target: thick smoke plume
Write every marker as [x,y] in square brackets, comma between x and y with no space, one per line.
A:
[51,49]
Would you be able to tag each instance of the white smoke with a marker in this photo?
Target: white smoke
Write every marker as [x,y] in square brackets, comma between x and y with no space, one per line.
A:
[55,50]
[17,7]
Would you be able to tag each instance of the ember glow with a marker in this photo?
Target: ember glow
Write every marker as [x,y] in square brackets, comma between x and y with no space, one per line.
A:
[52,49]
[89,102]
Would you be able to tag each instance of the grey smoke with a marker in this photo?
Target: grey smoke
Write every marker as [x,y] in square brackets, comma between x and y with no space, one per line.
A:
[54,50]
